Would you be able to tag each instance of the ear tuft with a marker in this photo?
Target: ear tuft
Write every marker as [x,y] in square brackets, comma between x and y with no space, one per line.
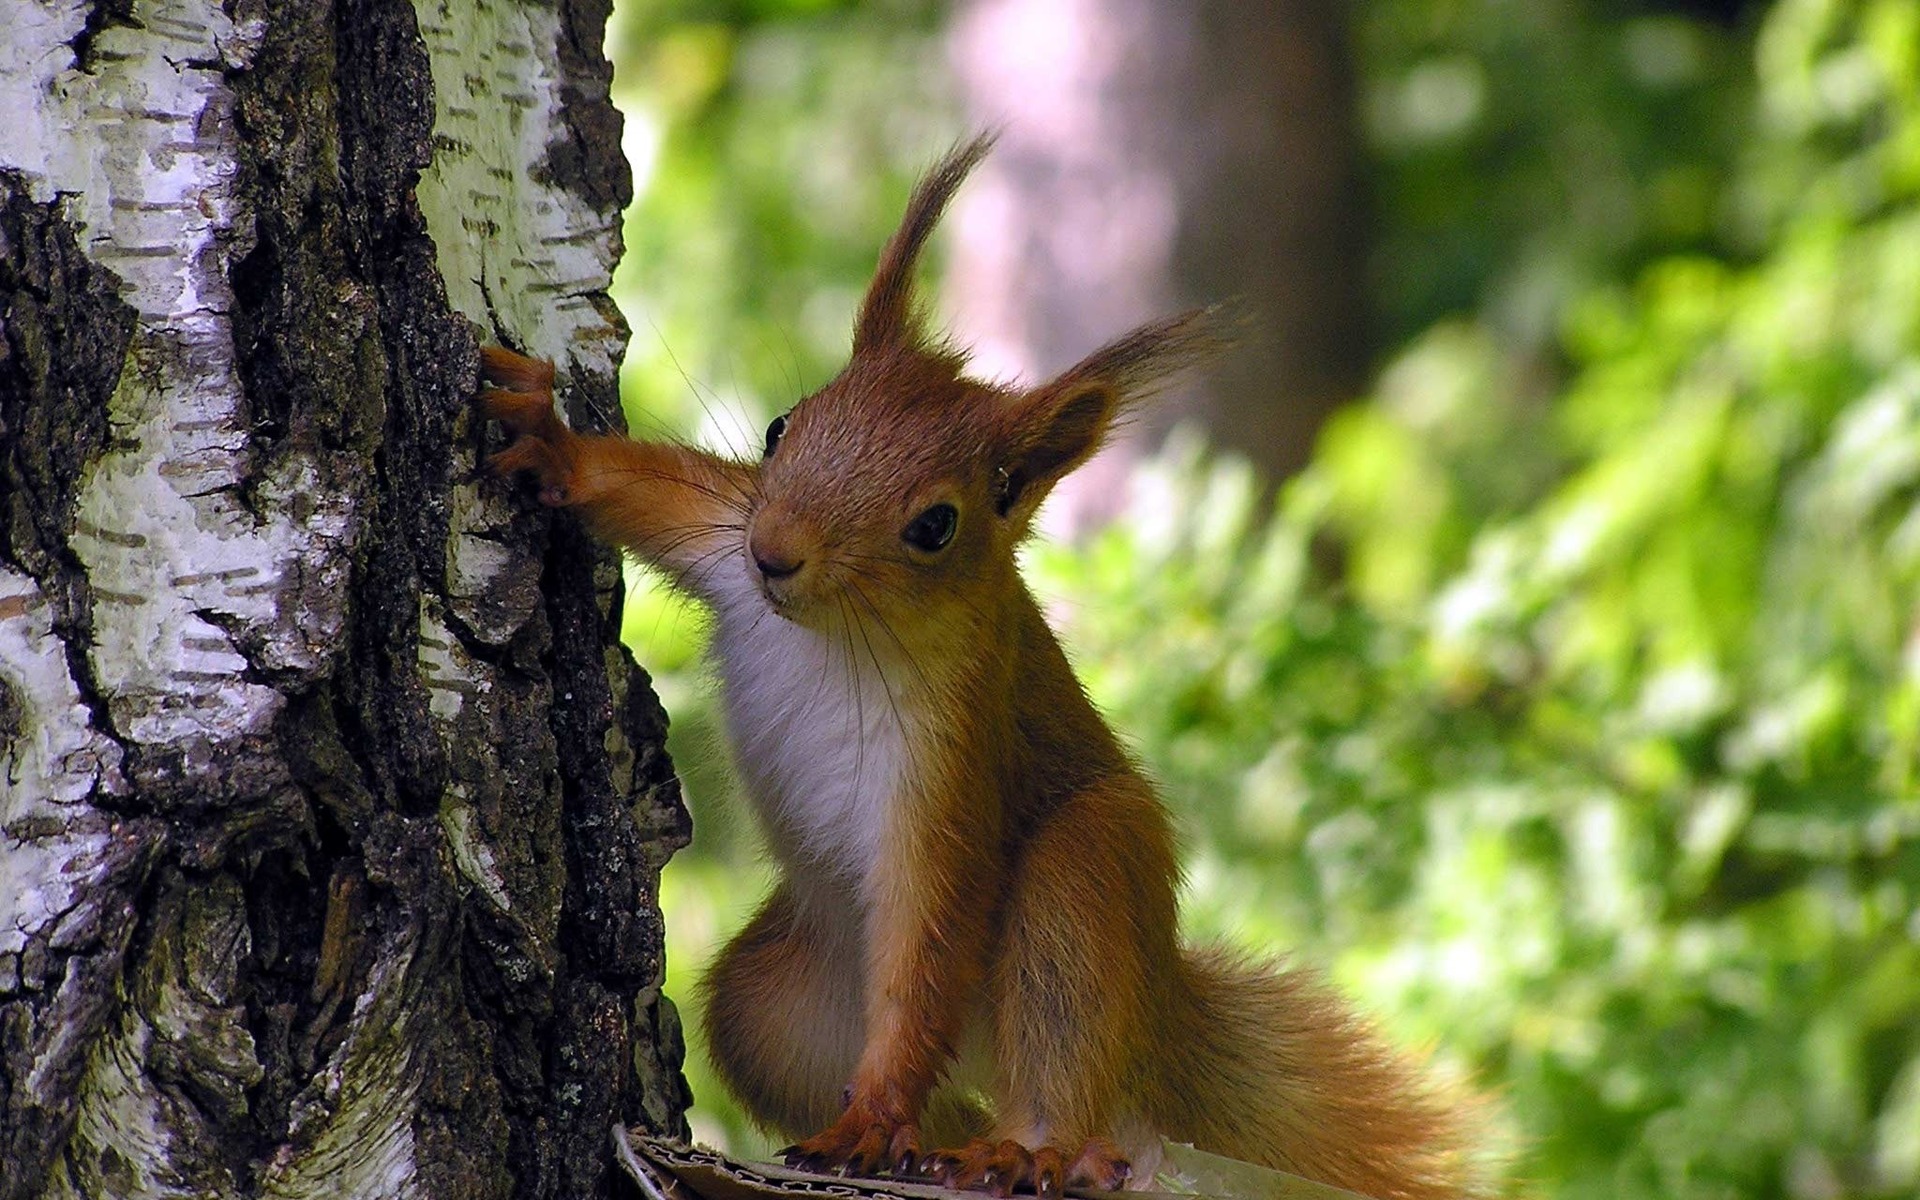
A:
[887,313]
[1060,425]
[1139,363]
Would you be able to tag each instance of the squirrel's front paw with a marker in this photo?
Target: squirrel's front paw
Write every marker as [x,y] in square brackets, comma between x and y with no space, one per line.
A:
[861,1142]
[522,400]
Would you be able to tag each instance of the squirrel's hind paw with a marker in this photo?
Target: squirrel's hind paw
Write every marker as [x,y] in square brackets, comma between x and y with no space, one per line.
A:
[1005,1167]
[857,1146]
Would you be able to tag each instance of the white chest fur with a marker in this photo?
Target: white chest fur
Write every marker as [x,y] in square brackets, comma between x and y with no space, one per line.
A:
[817,733]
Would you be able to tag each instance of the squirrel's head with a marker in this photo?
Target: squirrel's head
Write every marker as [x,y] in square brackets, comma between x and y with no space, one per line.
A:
[903,487]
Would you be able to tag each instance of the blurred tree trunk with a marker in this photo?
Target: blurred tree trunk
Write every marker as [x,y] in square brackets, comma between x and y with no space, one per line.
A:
[1162,155]
[332,813]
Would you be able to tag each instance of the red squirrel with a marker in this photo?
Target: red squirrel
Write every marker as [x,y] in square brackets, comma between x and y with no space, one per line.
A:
[969,969]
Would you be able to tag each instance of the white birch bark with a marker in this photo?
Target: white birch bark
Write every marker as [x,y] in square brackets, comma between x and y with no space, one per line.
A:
[306,885]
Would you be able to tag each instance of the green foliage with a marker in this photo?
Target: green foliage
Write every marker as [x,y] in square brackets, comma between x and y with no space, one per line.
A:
[1598,761]
[1525,149]
[1568,706]
[774,144]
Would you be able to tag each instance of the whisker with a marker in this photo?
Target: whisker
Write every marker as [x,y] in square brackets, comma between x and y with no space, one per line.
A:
[793,357]
[677,601]
[739,507]
[886,627]
[682,534]
[644,419]
[881,671]
[739,423]
[819,691]
[684,577]
[660,554]
[732,359]
[698,572]
[986,620]
[859,699]
[760,616]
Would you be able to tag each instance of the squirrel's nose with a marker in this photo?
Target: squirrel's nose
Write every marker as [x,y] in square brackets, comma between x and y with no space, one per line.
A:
[775,567]
[777,543]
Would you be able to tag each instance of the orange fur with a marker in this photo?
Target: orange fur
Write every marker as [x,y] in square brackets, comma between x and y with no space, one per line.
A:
[977,884]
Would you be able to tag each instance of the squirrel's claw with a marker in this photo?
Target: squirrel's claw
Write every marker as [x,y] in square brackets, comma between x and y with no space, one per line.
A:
[1049,1173]
[856,1145]
[524,413]
[1100,1166]
[903,1153]
[1002,1168]
[542,444]
[515,372]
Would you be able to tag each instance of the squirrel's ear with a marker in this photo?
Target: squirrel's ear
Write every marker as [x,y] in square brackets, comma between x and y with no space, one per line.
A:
[887,314]
[1060,425]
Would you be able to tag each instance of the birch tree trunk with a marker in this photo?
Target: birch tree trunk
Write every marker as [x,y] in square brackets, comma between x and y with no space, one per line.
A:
[332,812]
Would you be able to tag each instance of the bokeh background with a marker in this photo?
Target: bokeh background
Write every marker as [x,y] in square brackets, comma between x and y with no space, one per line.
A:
[1522,624]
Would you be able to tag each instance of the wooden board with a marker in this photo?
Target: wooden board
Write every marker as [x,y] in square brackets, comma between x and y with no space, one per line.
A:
[666,1170]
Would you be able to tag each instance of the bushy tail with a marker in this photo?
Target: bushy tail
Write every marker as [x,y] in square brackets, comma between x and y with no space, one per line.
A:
[1272,1067]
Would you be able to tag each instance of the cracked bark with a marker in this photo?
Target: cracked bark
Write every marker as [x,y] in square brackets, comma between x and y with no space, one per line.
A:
[332,812]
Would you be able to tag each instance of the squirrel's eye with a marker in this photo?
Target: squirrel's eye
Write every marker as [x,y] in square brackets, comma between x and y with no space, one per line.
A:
[932,529]
[775,428]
